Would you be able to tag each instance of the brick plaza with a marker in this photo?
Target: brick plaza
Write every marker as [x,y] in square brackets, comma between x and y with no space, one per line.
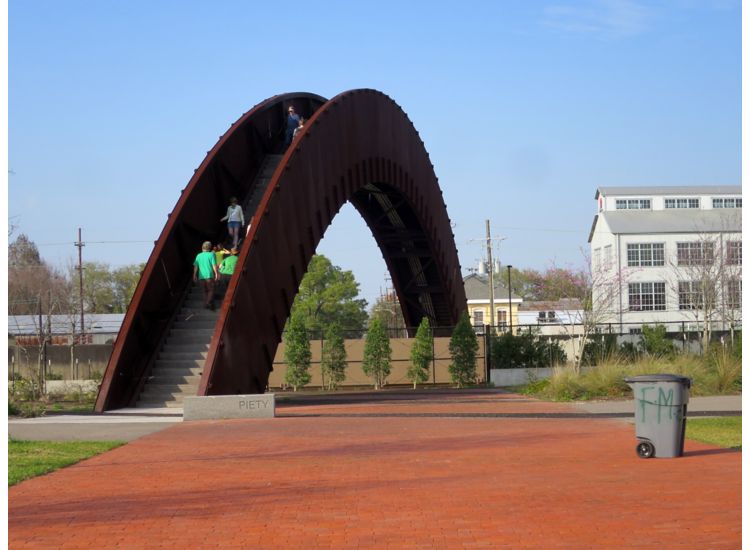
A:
[472,469]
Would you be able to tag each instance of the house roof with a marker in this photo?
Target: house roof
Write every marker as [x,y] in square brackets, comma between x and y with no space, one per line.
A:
[670,190]
[477,287]
[636,222]
[96,323]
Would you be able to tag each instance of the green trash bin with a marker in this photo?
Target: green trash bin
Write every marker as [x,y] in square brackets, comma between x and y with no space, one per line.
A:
[660,411]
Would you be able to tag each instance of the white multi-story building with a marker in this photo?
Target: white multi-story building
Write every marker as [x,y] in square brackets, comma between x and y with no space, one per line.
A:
[670,255]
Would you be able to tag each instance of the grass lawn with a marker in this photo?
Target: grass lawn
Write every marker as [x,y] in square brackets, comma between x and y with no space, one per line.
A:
[725,431]
[28,459]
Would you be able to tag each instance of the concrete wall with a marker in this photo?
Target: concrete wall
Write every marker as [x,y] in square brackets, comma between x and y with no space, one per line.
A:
[400,363]
[93,359]
[517,377]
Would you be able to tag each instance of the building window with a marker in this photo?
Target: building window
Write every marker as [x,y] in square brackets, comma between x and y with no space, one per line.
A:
[727,203]
[734,252]
[695,253]
[734,293]
[647,296]
[633,204]
[682,203]
[502,318]
[607,256]
[645,254]
[597,259]
[478,317]
[691,294]
[547,317]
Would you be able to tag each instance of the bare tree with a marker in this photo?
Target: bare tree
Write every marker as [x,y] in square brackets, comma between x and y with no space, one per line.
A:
[597,299]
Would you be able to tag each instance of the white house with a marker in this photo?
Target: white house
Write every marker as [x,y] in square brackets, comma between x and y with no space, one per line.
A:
[670,255]
[552,317]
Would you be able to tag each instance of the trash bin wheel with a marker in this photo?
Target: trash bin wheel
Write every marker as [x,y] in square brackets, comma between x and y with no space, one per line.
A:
[645,449]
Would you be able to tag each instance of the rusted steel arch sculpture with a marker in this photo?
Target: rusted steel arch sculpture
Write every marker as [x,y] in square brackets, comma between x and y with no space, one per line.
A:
[229,169]
[359,147]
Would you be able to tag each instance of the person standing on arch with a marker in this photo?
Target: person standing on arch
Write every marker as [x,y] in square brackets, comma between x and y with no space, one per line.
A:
[235,220]
[205,271]
[292,122]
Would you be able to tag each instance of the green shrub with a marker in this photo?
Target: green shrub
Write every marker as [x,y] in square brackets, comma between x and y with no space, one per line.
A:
[24,390]
[629,351]
[25,410]
[599,348]
[719,372]
[726,366]
[54,376]
[13,409]
[654,341]
[525,350]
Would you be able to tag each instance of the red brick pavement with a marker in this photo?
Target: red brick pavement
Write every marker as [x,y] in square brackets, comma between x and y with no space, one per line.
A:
[387,482]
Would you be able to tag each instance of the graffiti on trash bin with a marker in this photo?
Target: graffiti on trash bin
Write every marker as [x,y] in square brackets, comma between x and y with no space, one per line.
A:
[663,400]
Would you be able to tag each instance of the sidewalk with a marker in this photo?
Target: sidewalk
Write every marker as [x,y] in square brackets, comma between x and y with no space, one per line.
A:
[443,470]
[130,424]
[721,405]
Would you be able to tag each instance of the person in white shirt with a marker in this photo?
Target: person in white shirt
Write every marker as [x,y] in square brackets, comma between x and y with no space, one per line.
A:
[235,220]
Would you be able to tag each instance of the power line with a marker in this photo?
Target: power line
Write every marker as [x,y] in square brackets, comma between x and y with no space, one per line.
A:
[67,243]
[543,229]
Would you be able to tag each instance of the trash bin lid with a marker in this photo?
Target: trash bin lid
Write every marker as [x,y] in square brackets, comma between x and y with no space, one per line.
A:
[660,378]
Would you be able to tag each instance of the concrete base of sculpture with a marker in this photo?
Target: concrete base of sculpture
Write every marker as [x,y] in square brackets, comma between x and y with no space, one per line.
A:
[216,407]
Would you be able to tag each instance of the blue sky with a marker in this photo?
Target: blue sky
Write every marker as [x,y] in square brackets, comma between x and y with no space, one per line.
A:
[524,106]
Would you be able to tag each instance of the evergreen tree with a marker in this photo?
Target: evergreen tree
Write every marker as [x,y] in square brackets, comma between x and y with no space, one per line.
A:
[297,353]
[376,362]
[421,354]
[333,360]
[463,349]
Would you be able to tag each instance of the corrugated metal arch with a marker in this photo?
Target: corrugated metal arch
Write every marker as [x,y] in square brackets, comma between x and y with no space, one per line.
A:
[360,147]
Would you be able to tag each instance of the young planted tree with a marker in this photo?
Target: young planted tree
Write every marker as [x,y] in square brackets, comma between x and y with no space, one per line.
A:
[297,353]
[376,362]
[463,348]
[333,360]
[421,354]
[598,289]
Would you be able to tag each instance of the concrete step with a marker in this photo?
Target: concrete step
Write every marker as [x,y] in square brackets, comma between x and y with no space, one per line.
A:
[186,347]
[160,370]
[195,323]
[158,404]
[168,392]
[182,355]
[190,339]
[198,314]
[207,332]
[175,379]
[179,364]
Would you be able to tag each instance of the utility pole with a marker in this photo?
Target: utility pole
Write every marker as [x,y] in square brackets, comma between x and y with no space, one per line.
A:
[491,271]
[80,246]
[510,307]
[488,240]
